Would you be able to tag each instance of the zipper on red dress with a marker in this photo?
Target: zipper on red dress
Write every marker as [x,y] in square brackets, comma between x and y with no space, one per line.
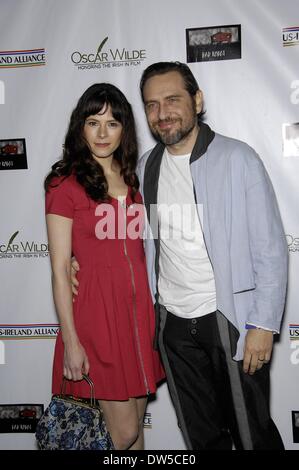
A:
[123,204]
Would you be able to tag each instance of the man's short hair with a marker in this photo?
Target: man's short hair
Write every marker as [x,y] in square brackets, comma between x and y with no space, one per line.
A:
[159,68]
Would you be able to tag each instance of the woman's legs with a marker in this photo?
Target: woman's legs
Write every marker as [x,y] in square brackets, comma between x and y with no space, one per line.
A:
[123,420]
[141,407]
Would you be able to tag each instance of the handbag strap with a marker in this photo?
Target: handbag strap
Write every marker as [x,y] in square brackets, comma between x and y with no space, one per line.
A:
[89,381]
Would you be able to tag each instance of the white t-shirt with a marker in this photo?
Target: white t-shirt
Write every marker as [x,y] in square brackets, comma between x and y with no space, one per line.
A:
[186,280]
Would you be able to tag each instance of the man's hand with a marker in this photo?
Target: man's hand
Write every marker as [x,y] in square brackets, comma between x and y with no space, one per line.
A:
[258,349]
[74,270]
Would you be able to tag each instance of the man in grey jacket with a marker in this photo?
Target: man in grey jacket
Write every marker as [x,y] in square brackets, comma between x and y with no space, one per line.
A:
[216,257]
[217,274]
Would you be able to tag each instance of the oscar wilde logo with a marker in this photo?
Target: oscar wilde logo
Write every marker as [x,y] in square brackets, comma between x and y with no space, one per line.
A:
[24,58]
[107,57]
[23,248]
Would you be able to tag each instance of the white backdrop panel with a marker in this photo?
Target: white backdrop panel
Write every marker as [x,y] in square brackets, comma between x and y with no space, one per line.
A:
[247,98]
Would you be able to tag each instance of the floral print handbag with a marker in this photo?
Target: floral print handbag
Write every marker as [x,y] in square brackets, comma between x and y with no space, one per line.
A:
[71,423]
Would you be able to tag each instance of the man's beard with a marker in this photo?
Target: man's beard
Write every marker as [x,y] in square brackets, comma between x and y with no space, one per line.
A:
[172,138]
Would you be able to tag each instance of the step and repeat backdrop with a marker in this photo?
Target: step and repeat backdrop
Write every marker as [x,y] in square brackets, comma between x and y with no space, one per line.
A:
[245,56]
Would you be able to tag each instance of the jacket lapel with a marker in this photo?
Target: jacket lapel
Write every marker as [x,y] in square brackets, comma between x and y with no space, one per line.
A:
[150,187]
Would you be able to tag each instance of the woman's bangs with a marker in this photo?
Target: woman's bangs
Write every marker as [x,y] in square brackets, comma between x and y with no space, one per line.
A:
[97,105]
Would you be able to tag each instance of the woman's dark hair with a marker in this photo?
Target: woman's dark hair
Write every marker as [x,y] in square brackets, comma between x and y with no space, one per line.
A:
[159,68]
[77,158]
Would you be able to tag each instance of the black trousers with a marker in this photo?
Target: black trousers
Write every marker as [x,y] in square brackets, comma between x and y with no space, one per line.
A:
[219,405]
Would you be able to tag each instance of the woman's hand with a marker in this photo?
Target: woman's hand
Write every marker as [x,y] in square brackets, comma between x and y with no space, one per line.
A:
[75,361]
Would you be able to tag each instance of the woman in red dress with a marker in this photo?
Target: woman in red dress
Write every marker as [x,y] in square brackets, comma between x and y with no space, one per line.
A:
[94,212]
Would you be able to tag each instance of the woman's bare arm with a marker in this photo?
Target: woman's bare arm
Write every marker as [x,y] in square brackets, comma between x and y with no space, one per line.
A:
[60,242]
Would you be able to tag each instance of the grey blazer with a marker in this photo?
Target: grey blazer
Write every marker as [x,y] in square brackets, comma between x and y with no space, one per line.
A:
[241,225]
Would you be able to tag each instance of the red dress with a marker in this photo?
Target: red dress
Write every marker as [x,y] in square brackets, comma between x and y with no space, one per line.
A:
[113,312]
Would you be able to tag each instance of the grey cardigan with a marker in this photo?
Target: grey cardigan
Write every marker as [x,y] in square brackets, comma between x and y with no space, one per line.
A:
[241,225]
